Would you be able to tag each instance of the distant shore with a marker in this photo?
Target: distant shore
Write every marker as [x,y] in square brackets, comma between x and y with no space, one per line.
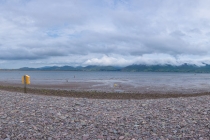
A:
[131,68]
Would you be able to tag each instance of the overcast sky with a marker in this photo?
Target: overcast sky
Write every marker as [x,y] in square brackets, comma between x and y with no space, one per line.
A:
[36,33]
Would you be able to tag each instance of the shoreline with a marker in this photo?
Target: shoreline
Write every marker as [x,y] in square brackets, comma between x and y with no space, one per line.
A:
[100,94]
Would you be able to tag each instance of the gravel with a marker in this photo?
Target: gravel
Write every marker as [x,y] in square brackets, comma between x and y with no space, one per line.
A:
[28,116]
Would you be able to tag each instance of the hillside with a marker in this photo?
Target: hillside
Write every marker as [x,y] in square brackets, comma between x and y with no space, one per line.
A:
[131,68]
[168,68]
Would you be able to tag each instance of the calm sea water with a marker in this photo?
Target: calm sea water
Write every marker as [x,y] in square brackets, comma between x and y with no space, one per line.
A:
[146,80]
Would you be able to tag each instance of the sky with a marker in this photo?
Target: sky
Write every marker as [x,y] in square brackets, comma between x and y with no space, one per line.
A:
[37,33]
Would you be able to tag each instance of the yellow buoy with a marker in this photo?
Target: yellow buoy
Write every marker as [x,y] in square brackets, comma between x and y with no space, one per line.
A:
[26,79]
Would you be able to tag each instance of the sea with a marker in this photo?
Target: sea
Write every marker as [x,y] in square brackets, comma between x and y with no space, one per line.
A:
[116,81]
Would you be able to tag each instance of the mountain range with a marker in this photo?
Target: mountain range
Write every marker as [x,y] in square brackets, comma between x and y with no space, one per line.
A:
[130,68]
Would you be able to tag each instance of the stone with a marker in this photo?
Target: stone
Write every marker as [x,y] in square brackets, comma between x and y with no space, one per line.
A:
[62,117]
[83,123]
[100,137]
[121,137]
[85,137]
[4,116]
[14,111]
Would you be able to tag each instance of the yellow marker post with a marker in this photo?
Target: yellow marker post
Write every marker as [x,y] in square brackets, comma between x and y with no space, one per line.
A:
[25,81]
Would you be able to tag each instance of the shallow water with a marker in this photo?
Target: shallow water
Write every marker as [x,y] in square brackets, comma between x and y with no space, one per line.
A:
[115,81]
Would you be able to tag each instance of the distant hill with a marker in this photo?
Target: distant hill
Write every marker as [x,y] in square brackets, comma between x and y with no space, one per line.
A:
[70,68]
[100,68]
[167,68]
[131,68]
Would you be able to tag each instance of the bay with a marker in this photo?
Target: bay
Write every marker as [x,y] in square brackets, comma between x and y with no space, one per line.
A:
[115,81]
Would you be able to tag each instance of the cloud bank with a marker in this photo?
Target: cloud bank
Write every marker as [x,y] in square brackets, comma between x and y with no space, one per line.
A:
[36,33]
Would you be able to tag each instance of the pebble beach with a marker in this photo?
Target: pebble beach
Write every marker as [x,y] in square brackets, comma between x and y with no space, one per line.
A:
[35,117]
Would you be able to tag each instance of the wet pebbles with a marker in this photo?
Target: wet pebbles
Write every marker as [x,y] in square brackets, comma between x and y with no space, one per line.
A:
[28,116]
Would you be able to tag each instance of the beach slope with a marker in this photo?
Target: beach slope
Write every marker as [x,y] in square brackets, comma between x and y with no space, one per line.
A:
[30,116]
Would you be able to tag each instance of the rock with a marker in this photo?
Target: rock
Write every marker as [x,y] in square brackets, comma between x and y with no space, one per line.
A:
[14,111]
[111,138]
[175,131]
[127,134]
[143,122]
[4,122]
[208,125]
[83,123]
[4,116]
[85,137]
[62,117]
[34,127]
[100,137]
[143,104]
[121,137]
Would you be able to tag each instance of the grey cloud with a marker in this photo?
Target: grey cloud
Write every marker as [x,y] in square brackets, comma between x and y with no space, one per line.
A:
[19,55]
[208,34]
[49,30]
[31,54]
[195,30]
[177,33]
